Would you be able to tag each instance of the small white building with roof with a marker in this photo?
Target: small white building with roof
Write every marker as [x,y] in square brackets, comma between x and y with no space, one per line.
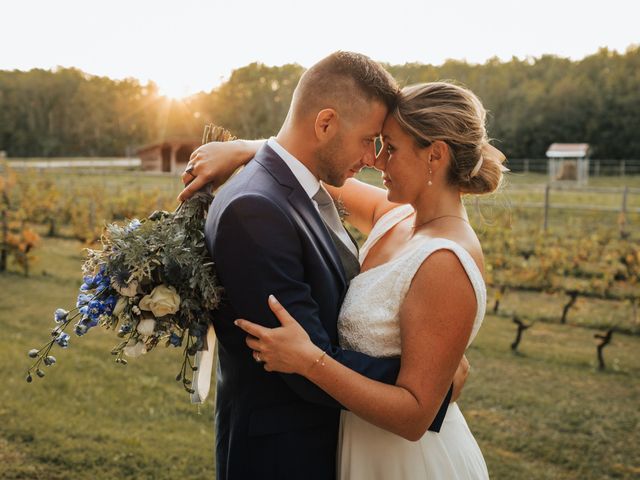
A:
[568,162]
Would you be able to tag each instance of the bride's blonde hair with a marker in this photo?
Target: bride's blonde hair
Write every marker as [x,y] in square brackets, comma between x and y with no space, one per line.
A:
[453,114]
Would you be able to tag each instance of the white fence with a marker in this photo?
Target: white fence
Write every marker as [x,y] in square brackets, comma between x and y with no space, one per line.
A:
[597,167]
[76,163]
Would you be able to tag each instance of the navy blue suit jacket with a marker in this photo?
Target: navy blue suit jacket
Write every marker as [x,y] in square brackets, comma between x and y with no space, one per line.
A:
[266,237]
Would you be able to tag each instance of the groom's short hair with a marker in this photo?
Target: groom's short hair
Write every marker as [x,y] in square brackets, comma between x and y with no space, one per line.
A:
[344,81]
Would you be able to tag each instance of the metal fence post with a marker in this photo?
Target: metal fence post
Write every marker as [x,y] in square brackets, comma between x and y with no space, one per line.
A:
[623,213]
[546,205]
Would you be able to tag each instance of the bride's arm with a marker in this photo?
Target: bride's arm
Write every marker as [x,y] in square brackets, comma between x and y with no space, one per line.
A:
[215,162]
[432,347]
[365,203]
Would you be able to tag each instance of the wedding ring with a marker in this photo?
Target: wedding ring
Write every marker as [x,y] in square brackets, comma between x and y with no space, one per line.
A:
[256,357]
[189,169]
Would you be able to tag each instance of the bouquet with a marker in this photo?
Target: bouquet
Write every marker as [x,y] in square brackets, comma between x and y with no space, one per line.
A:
[151,282]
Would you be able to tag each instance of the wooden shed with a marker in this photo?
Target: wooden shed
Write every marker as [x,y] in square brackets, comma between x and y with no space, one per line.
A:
[568,162]
[170,155]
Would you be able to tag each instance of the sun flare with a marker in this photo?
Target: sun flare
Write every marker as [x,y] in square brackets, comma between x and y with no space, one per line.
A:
[175,90]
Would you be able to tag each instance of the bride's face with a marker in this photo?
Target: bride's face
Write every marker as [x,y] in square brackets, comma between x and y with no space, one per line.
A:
[403,164]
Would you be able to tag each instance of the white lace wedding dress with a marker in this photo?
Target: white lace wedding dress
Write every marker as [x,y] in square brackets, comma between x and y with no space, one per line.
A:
[369,323]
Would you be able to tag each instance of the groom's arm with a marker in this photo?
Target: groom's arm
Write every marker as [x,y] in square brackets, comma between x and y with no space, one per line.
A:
[257,253]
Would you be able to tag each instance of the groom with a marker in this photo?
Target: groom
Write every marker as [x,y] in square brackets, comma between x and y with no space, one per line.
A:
[270,232]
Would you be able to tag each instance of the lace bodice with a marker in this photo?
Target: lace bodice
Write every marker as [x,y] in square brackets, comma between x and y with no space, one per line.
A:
[369,320]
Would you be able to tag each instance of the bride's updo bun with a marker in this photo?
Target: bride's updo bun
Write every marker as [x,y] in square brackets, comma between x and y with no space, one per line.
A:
[453,114]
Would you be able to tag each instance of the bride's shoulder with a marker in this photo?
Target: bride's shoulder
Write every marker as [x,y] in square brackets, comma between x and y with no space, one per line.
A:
[457,248]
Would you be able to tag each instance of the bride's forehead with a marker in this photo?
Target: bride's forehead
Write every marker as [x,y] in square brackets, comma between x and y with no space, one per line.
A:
[390,126]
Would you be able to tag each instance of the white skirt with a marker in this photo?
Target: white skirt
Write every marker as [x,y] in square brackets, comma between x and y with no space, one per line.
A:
[366,452]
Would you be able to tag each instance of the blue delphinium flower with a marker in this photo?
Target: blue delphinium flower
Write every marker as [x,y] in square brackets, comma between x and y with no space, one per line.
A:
[83,299]
[63,340]
[124,329]
[60,315]
[91,321]
[133,225]
[80,328]
[109,304]
[85,324]
[98,282]
[175,339]
[96,308]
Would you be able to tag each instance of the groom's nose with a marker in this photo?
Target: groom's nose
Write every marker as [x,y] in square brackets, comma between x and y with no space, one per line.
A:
[381,160]
[369,159]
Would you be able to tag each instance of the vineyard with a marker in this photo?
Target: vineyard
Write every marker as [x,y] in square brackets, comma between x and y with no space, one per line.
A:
[542,413]
[583,254]
[586,259]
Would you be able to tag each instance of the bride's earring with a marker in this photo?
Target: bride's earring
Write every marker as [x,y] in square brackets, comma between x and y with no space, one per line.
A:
[430,176]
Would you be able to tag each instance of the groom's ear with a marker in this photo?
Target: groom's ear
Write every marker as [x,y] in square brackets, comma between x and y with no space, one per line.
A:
[326,125]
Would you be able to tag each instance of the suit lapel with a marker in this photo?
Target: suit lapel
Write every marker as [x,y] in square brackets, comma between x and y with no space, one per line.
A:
[301,202]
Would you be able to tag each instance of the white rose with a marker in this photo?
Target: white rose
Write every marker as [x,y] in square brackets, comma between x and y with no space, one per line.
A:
[161,301]
[119,308]
[135,350]
[129,291]
[146,327]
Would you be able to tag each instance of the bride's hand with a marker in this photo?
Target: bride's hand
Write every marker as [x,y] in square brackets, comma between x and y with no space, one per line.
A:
[214,163]
[286,349]
[460,378]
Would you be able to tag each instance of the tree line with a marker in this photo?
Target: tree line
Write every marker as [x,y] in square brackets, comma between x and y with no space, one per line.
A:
[532,103]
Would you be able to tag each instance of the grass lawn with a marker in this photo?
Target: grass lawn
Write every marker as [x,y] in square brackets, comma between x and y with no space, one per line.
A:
[89,418]
[548,413]
[544,414]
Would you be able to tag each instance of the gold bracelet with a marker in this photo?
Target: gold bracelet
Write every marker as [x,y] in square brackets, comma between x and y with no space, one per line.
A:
[320,361]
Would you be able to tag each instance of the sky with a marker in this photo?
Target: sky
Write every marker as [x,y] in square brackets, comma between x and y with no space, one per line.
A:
[188,46]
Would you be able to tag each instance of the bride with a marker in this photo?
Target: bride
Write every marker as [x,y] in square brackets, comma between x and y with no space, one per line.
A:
[420,294]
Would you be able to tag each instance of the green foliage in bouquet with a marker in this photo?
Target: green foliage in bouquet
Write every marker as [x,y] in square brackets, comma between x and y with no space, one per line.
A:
[152,281]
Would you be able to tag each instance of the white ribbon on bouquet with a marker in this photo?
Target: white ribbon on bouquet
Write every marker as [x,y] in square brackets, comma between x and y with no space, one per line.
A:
[201,382]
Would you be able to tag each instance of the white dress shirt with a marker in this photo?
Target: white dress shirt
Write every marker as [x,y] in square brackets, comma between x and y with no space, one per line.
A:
[310,184]
[308,180]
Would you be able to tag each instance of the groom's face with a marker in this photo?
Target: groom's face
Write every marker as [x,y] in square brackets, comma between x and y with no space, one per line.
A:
[353,147]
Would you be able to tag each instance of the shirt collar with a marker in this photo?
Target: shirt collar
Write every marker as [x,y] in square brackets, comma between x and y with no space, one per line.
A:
[309,182]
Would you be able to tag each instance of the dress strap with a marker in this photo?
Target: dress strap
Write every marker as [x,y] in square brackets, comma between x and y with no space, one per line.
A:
[385,223]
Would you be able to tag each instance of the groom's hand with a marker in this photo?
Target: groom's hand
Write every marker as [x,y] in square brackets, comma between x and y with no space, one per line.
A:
[460,378]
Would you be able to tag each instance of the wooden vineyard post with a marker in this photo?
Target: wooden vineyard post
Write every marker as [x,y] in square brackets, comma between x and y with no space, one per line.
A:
[604,341]
[521,328]
[3,243]
[623,214]
[4,226]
